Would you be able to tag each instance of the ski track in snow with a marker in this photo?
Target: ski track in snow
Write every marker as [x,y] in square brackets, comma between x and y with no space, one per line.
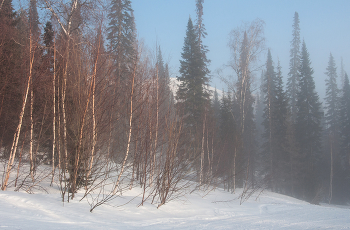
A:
[217,210]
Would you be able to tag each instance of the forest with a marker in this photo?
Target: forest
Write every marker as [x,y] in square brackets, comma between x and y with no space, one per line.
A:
[83,103]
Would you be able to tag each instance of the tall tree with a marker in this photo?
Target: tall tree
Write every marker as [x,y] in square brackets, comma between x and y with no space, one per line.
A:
[228,142]
[122,36]
[281,109]
[269,89]
[332,96]
[308,129]
[342,73]
[216,106]
[332,119]
[192,94]
[294,63]
[275,121]
[10,73]
[246,44]
[345,120]
[200,30]
[34,20]
[344,140]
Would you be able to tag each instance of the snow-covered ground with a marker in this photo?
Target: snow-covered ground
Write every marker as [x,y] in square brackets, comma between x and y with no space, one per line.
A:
[217,210]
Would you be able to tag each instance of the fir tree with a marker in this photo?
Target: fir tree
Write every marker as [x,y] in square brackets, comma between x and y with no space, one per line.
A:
[48,35]
[228,141]
[275,120]
[192,94]
[201,32]
[308,129]
[293,79]
[344,141]
[281,120]
[11,72]
[345,120]
[122,36]
[216,107]
[269,88]
[332,124]
[34,20]
[332,97]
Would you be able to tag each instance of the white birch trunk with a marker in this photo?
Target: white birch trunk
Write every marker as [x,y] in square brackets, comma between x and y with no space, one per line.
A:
[129,134]
[54,111]
[31,134]
[202,153]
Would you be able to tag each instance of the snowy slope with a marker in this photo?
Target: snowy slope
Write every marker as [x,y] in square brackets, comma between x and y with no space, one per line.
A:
[199,210]
[174,85]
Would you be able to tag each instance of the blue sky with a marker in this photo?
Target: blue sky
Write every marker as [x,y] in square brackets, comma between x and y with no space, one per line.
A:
[324,24]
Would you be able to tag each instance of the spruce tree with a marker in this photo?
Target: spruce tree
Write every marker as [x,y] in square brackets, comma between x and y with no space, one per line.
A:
[228,141]
[308,130]
[201,32]
[332,97]
[269,88]
[11,72]
[34,20]
[344,140]
[216,107]
[275,129]
[294,63]
[163,73]
[122,37]
[281,117]
[192,95]
[345,120]
[332,125]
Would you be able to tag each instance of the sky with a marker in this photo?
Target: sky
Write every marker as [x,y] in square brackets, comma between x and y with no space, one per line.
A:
[324,26]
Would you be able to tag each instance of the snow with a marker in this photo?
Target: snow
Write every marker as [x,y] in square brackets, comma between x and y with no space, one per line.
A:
[174,85]
[217,209]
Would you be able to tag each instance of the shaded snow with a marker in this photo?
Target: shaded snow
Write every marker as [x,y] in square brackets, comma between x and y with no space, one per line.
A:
[216,210]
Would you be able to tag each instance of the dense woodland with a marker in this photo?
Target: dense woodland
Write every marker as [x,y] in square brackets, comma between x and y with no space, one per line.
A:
[82,102]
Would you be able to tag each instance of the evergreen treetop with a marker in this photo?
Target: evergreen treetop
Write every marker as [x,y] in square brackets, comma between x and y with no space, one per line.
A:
[332,96]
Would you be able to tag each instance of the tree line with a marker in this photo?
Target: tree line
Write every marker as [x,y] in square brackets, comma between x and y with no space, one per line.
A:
[83,96]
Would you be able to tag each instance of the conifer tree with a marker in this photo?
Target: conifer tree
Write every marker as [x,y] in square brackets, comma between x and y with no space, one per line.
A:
[308,129]
[201,32]
[332,121]
[10,73]
[342,73]
[192,95]
[228,141]
[293,79]
[281,110]
[259,108]
[332,97]
[122,36]
[34,20]
[344,121]
[275,116]
[269,88]
[216,106]
[163,72]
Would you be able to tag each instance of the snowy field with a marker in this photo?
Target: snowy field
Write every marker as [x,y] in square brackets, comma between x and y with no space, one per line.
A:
[199,210]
